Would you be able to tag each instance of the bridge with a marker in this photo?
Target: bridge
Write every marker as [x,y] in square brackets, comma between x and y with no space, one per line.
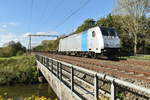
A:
[71,82]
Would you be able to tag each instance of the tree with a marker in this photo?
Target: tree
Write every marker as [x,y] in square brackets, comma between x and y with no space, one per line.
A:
[88,23]
[12,49]
[132,10]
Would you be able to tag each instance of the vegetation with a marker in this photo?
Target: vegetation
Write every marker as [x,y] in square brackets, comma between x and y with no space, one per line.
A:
[29,98]
[134,21]
[12,49]
[86,25]
[118,22]
[139,57]
[132,25]
[48,45]
[19,69]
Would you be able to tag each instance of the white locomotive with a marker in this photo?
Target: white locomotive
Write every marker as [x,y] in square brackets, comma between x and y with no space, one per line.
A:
[92,42]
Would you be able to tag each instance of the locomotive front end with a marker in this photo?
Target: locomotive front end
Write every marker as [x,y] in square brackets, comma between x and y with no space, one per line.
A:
[111,40]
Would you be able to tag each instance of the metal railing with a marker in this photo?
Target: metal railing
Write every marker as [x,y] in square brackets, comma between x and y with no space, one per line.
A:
[95,84]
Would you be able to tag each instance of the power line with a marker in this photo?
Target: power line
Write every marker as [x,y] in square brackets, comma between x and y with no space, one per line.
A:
[44,11]
[73,13]
[53,11]
[31,14]
[30,21]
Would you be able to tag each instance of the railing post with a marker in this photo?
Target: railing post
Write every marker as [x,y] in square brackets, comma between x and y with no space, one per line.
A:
[57,69]
[113,91]
[60,71]
[42,60]
[36,57]
[47,62]
[72,78]
[95,87]
[52,66]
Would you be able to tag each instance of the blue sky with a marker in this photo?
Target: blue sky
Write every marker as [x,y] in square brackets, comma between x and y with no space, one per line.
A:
[16,20]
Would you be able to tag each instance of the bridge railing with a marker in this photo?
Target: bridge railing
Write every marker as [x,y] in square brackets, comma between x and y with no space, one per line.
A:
[87,83]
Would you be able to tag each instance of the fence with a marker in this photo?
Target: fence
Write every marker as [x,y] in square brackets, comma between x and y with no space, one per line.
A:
[90,84]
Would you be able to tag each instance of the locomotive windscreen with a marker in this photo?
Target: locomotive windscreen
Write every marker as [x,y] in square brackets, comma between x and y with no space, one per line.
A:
[108,32]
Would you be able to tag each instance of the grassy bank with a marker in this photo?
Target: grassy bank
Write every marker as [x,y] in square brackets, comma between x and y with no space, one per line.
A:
[138,57]
[29,98]
[20,69]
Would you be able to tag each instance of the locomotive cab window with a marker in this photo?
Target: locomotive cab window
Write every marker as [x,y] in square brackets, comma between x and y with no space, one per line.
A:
[93,34]
[108,32]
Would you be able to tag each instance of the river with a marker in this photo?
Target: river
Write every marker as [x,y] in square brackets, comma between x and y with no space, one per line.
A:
[20,91]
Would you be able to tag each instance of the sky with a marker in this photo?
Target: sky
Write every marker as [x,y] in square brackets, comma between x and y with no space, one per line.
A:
[19,18]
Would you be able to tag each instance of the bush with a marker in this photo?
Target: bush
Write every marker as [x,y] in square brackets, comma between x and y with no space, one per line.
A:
[19,69]
[12,49]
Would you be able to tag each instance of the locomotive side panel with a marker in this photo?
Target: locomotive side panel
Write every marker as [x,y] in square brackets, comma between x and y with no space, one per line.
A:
[95,40]
[71,43]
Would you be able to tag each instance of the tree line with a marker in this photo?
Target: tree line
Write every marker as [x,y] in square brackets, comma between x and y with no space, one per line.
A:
[12,49]
[124,31]
[130,20]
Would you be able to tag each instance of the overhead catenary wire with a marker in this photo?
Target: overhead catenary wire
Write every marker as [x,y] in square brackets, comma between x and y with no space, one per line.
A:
[31,14]
[44,10]
[73,13]
[53,11]
[30,22]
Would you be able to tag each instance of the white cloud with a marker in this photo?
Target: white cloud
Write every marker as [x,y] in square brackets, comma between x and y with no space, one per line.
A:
[4,26]
[27,34]
[53,32]
[5,38]
[8,23]
[3,30]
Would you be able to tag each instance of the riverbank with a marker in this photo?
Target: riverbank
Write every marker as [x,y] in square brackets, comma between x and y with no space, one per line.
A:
[19,69]
[27,92]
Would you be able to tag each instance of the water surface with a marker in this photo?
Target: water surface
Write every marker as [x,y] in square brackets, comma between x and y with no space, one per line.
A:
[20,91]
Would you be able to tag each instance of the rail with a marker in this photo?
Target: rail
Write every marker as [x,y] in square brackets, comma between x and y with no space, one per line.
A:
[95,84]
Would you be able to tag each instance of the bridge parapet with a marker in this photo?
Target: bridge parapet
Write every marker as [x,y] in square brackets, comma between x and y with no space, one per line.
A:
[71,82]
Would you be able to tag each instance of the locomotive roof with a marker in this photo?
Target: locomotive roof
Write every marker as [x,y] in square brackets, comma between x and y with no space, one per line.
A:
[88,29]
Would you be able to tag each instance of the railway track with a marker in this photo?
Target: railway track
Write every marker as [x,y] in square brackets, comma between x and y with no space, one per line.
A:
[117,69]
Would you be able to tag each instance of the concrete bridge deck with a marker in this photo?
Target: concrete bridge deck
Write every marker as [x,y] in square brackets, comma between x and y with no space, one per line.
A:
[72,82]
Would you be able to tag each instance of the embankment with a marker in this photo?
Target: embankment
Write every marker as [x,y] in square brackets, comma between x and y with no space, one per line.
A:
[20,69]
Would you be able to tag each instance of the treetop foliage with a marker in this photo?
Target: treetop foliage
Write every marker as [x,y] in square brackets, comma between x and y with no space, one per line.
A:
[12,49]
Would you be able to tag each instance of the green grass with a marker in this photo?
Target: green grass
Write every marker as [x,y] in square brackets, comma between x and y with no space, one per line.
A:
[138,57]
[20,69]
